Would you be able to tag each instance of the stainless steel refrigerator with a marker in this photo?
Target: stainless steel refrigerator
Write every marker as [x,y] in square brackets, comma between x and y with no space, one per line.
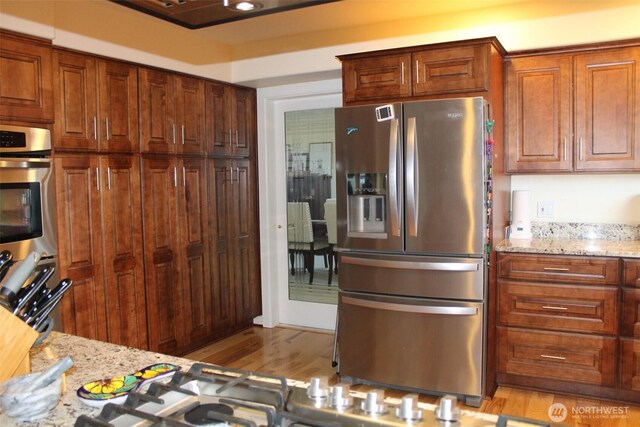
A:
[414,195]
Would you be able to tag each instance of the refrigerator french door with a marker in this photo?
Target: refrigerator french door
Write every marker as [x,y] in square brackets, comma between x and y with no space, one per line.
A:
[413,190]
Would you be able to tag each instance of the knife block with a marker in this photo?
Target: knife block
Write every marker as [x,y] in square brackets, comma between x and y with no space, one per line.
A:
[16,338]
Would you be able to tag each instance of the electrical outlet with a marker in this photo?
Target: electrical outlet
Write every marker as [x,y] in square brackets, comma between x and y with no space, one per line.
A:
[545,209]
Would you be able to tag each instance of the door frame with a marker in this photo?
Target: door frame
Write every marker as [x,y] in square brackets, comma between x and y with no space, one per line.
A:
[272,103]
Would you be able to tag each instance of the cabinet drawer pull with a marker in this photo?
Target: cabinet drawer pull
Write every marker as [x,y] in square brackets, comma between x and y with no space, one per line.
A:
[95,128]
[546,356]
[417,72]
[97,179]
[402,74]
[106,126]
[556,269]
[551,307]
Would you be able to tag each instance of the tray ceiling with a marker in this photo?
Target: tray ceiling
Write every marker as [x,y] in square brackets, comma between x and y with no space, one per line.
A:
[194,14]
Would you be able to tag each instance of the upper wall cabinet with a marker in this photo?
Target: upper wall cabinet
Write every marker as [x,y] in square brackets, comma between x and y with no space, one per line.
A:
[422,72]
[171,113]
[574,111]
[96,103]
[231,120]
[26,92]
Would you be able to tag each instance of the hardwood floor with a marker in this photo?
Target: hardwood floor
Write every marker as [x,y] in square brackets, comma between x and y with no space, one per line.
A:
[301,354]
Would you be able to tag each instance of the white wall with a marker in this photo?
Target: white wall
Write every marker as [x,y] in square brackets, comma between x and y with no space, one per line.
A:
[613,199]
[602,25]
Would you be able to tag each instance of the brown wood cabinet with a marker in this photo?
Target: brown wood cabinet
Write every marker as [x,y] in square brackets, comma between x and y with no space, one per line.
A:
[234,244]
[101,247]
[574,110]
[26,78]
[569,324]
[630,330]
[172,113]
[96,104]
[230,120]
[421,72]
[84,310]
[176,253]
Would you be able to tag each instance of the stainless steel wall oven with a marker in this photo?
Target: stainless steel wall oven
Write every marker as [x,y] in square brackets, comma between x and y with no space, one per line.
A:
[27,196]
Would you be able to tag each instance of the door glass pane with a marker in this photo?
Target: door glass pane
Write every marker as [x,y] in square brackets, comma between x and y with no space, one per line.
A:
[311,209]
[20,212]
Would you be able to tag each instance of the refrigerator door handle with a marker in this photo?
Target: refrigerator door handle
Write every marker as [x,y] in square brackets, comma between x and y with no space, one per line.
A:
[407,308]
[393,178]
[412,265]
[412,181]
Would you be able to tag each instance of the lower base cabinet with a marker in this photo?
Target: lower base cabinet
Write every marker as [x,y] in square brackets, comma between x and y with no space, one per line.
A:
[569,324]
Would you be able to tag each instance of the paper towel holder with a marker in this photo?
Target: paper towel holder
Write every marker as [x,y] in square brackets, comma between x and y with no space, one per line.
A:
[521,215]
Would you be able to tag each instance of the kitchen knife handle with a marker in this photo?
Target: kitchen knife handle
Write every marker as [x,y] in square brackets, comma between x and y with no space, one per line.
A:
[393,178]
[412,183]
[20,274]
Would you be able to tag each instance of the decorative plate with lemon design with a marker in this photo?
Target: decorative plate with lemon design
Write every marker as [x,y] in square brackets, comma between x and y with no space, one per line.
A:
[115,390]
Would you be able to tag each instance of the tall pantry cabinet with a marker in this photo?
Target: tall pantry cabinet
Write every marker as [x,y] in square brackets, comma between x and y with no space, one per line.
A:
[232,195]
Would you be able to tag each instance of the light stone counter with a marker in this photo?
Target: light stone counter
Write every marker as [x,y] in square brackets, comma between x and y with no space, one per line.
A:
[572,246]
[93,360]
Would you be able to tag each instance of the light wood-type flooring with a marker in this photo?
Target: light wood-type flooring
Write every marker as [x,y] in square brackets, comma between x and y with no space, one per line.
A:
[302,354]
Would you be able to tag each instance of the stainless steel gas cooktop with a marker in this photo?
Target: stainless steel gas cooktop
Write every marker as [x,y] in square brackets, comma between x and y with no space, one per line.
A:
[214,396]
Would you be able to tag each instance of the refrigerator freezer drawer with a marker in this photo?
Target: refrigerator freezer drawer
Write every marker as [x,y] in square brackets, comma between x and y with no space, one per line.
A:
[417,276]
[414,343]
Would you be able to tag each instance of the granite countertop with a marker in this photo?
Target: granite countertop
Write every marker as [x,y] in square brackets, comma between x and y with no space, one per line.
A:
[557,238]
[93,360]
[572,246]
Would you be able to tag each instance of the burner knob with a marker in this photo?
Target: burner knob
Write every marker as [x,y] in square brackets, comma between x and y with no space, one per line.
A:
[408,409]
[340,398]
[448,410]
[318,388]
[374,403]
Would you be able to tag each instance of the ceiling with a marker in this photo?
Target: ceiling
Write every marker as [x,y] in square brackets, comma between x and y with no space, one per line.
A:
[194,14]
[324,15]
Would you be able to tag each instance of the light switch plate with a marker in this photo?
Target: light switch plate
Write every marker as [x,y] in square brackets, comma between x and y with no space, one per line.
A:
[545,209]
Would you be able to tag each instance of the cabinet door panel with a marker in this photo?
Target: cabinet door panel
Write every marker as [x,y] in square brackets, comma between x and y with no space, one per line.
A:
[539,115]
[157,112]
[631,312]
[630,364]
[608,110]
[248,302]
[80,245]
[572,357]
[162,263]
[218,119]
[194,245]
[559,307]
[76,126]
[631,272]
[190,115]
[381,77]
[124,268]
[26,91]
[561,269]
[118,99]
[244,121]
[451,70]
[223,295]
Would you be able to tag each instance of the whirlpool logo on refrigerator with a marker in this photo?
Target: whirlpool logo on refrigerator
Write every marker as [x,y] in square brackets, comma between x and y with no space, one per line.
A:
[351,129]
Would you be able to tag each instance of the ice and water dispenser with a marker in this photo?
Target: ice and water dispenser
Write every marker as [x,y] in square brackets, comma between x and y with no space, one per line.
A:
[366,211]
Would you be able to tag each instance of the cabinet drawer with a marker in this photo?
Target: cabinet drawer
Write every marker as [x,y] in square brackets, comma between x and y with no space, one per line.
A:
[562,269]
[558,307]
[631,272]
[630,364]
[381,77]
[450,70]
[560,356]
[630,312]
